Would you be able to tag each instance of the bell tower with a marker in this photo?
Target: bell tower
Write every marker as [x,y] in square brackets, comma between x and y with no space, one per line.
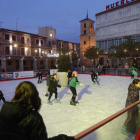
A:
[87,38]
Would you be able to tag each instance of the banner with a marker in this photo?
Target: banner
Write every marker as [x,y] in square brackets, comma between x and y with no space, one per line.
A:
[6,75]
[52,71]
[23,74]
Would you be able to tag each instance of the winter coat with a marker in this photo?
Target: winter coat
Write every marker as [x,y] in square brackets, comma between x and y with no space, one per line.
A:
[134,72]
[1,95]
[107,66]
[69,74]
[94,76]
[83,68]
[99,68]
[48,79]
[133,95]
[132,69]
[114,66]
[119,67]
[53,86]
[39,74]
[74,82]
[19,123]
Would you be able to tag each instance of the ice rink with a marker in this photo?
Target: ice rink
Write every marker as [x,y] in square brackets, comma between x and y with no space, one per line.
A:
[96,102]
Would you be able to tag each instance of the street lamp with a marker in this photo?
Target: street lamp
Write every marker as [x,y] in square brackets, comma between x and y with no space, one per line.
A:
[15,45]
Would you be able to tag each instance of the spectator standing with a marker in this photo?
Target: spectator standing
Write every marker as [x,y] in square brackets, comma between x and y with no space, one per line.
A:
[115,68]
[3,70]
[99,69]
[126,68]
[83,68]
[20,118]
[104,69]
[107,68]
[119,68]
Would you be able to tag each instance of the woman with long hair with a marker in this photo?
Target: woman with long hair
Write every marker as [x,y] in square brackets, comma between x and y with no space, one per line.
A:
[20,119]
[129,126]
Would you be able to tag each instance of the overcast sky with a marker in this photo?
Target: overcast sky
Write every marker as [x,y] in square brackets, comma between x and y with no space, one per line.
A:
[63,15]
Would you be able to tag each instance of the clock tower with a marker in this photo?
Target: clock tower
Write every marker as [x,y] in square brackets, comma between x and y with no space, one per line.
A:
[87,39]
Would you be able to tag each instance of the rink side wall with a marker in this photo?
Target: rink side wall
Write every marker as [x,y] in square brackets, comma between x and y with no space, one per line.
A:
[78,73]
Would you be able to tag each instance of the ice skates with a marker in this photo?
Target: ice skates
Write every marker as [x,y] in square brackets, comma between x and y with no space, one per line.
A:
[56,101]
[76,102]
[72,102]
[46,94]
[48,102]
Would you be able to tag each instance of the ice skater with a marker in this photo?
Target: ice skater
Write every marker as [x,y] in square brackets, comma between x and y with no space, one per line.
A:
[1,96]
[53,88]
[39,74]
[69,76]
[134,73]
[94,77]
[48,79]
[73,84]
[132,68]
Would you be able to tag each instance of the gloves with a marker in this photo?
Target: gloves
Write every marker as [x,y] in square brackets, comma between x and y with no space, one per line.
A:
[65,137]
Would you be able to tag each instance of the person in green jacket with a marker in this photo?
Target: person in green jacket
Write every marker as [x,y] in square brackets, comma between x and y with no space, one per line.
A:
[48,79]
[132,68]
[73,84]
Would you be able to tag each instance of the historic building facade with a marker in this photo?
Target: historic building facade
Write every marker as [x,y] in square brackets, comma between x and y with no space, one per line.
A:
[21,51]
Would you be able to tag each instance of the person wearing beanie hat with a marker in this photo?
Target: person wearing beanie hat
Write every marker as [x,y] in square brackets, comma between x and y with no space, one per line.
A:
[73,84]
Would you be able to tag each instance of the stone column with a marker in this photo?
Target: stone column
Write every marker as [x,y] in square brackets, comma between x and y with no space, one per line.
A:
[46,63]
[35,65]
[3,63]
[21,68]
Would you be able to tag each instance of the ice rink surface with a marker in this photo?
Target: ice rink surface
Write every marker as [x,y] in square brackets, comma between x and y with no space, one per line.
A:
[96,102]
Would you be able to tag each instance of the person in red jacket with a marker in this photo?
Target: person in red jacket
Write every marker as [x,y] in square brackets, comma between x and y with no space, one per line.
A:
[20,118]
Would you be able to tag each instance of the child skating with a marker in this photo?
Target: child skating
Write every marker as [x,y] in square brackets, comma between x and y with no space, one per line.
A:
[1,96]
[134,73]
[94,77]
[39,74]
[69,76]
[53,88]
[48,79]
[132,68]
[73,84]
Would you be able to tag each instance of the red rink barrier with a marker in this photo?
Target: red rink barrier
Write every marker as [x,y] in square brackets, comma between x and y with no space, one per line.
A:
[78,73]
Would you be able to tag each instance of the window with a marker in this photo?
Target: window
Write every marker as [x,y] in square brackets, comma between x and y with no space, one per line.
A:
[9,62]
[41,62]
[138,38]
[67,47]
[84,25]
[22,51]
[6,36]
[91,25]
[84,31]
[49,51]
[59,44]
[24,62]
[14,50]
[37,41]
[7,51]
[84,42]
[62,45]
[13,37]
[0,62]
[22,40]
[42,42]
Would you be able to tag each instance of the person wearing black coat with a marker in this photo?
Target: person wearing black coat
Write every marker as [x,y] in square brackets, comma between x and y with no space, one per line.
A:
[104,69]
[94,77]
[69,76]
[1,96]
[20,119]
[39,74]
[53,88]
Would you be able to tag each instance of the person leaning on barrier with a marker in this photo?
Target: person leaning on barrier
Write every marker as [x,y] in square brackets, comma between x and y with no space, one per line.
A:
[129,126]
[20,119]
